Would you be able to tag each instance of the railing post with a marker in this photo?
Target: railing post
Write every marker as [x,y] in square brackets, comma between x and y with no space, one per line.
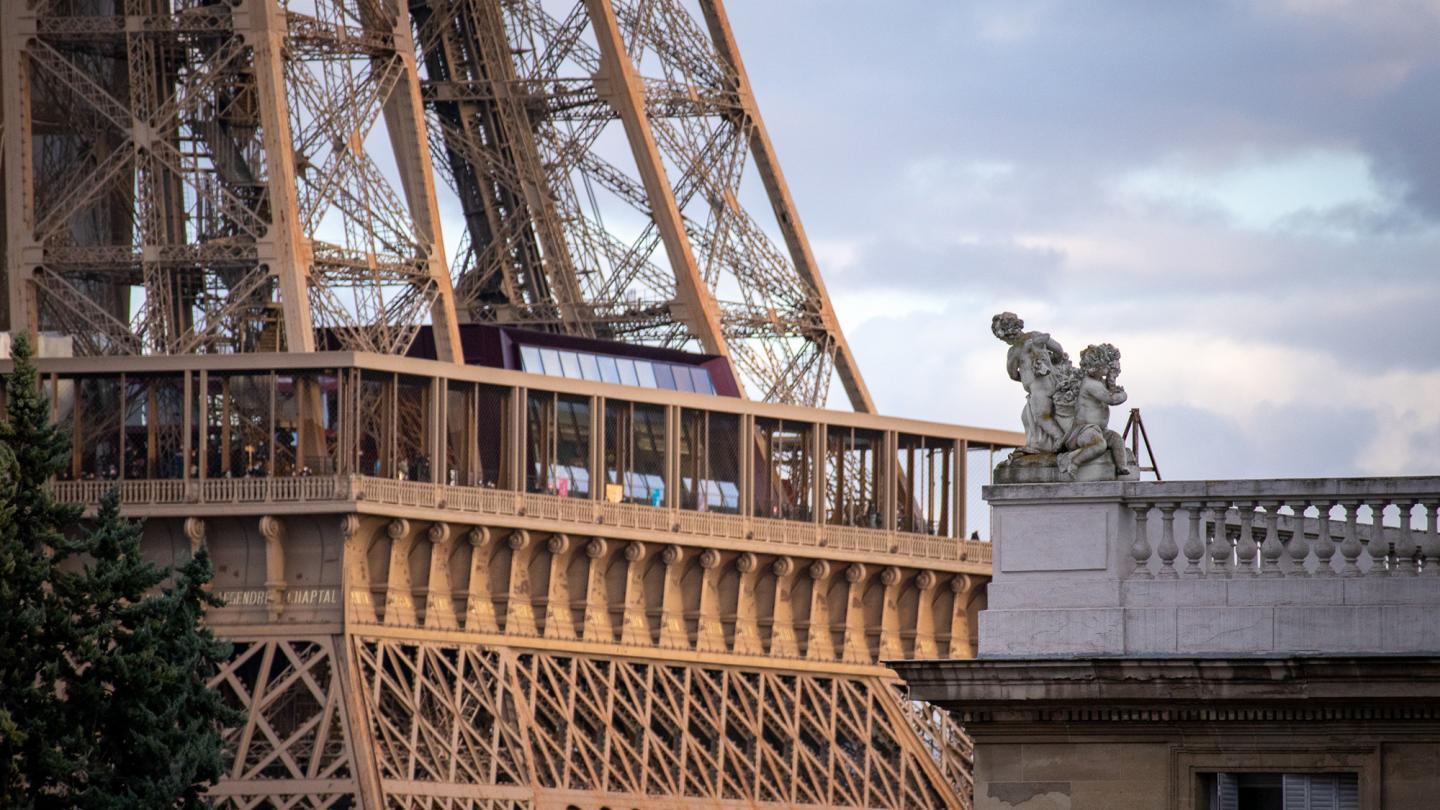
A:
[1140,550]
[1299,545]
[1324,545]
[1245,548]
[1350,549]
[1270,550]
[1220,549]
[1405,549]
[1431,545]
[1167,551]
[1194,543]
[1378,547]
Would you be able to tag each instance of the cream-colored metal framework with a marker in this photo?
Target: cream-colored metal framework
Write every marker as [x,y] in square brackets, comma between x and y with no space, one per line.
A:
[418,643]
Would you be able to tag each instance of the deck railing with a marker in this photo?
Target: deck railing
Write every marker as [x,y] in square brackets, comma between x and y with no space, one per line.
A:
[1338,527]
[506,503]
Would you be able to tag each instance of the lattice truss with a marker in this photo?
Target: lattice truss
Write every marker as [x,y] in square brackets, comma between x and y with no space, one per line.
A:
[293,750]
[189,170]
[567,183]
[453,723]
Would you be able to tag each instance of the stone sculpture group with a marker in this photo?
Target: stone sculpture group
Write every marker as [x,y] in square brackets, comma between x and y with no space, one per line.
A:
[1067,409]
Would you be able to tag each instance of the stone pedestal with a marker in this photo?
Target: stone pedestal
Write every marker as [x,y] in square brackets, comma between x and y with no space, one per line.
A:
[1042,468]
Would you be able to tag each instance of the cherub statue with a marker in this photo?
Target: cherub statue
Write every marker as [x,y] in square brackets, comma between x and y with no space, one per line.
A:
[1090,394]
[1031,361]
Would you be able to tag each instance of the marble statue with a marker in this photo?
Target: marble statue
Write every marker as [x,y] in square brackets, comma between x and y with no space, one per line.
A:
[1031,359]
[1093,390]
[1067,409]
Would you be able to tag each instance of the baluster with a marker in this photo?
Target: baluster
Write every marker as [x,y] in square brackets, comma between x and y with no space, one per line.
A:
[1245,548]
[1350,549]
[1220,548]
[1378,546]
[1140,549]
[1270,550]
[1167,551]
[1324,544]
[1194,543]
[1405,544]
[1299,546]
[1430,546]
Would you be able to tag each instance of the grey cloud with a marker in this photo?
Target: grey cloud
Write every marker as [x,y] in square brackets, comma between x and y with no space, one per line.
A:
[1295,441]
[942,267]
[857,96]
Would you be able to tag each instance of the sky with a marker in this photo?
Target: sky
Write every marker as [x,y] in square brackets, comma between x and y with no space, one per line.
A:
[1244,197]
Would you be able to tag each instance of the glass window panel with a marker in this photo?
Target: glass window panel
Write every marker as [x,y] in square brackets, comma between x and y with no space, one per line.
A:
[154,427]
[634,452]
[572,442]
[682,378]
[783,486]
[97,427]
[557,444]
[589,368]
[852,477]
[664,377]
[700,379]
[628,375]
[539,439]
[412,429]
[530,360]
[551,360]
[240,442]
[709,460]
[646,371]
[493,437]
[925,469]
[570,365]
[375,409]
[459,424]
[609,371]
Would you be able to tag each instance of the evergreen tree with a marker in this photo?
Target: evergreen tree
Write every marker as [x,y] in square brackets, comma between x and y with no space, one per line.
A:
[104,702]
[151,722]
[36,747]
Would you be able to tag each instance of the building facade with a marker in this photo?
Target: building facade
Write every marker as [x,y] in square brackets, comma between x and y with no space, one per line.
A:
[1224,645]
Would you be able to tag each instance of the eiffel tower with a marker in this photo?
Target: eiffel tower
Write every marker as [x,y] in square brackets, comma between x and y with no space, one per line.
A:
[555,522]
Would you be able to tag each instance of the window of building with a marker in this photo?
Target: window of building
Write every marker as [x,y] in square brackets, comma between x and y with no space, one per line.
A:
[1280,791]
[784,459]
[925,467]
[853,477]
[557,445]
[709,461]
[577,365]
[634,453]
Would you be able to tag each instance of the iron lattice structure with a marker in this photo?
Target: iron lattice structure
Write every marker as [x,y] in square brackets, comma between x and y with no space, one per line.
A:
[214,177]
[612,167]
[193,178]
[197,177]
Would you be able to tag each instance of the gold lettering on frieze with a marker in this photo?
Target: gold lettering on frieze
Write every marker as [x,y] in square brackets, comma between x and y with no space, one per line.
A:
[254,597]
[259,597]
[311,596]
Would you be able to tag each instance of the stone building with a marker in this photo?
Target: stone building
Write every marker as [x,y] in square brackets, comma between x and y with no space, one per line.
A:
[1223,645]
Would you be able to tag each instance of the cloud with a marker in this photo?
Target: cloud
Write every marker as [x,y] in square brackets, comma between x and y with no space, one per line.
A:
[1245,197]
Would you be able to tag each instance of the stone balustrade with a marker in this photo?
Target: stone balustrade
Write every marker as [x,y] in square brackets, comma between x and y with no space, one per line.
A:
[1215,567]
[1377,527]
